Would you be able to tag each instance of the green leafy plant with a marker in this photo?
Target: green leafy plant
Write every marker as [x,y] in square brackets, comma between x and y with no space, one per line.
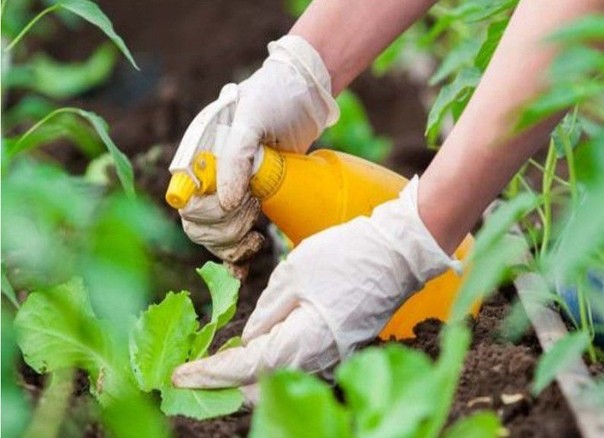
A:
[388,392]
[57,329]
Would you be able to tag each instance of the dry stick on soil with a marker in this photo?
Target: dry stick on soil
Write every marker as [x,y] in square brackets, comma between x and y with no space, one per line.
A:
[572,379]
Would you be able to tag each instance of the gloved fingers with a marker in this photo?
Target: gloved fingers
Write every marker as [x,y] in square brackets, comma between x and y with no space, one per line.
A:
[275,304]
[235,161]
[241,251]
[207,210]
[227,231]
[302,341]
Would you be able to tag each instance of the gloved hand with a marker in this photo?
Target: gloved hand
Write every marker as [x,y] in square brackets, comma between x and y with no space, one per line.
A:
[286,104]
[333,293]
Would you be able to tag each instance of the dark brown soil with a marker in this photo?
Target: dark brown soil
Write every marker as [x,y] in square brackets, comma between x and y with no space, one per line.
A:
[187,50]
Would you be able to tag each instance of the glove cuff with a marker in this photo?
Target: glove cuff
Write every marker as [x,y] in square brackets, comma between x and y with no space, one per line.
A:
[427,257]
[296,51]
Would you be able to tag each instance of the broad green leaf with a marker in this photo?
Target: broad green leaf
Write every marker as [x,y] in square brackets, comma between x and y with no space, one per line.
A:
[488,46]
[460,56]
[353,133]
[200,404]
[63,80]
[57,329]
[478,425]
[122,164]
[235,341]
[134,417]
[383,385]
[458,91]
[90,12]
[161,340]
[203,339]
[294,405]
[224,290]
[566,350]
[586,29]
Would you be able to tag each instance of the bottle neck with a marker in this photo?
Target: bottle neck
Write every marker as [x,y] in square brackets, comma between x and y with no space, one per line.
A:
[268,173]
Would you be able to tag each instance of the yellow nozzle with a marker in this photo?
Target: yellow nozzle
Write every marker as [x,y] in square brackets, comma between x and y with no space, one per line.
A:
[263,184]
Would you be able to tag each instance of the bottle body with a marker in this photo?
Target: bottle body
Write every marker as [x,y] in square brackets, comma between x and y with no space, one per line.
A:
[327,188]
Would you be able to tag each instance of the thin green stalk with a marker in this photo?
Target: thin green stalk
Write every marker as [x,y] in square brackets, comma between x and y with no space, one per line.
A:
[550,169]
[570,161]
[585,319]
[18,148]
[529,189]
[29,25]
[542,169]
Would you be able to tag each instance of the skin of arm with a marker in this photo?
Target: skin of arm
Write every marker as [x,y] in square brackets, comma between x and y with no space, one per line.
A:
[480,155]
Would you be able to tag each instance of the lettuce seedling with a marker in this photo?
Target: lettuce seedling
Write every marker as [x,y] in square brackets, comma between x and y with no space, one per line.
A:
[57,329]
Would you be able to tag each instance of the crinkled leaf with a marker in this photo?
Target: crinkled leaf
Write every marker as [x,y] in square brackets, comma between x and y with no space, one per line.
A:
[458,91]
[90,12]
[57,329]
[203,339]
[478,425]
[200,404]
[161,340]
[566,350]
[224,290]
[316,410]
[60,80]
[383,385]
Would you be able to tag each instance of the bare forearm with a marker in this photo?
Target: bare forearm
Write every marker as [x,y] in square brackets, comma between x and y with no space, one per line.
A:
[349,34]
[481,155]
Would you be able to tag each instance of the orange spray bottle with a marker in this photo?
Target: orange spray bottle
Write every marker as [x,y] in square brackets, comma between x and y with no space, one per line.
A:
[304,194]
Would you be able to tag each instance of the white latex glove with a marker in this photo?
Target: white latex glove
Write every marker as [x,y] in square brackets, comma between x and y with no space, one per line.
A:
[286,104]
[333,293]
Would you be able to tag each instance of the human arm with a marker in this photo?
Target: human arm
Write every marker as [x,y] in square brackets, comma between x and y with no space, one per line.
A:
[482,153]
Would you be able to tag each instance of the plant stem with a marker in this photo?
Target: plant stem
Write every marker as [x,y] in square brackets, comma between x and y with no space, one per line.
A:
[550,169]
[570,160]
[29,25]
[18,146]
[542,169]
[585,317]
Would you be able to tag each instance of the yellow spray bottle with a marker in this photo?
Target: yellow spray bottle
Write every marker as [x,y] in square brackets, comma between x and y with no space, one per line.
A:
[304,194]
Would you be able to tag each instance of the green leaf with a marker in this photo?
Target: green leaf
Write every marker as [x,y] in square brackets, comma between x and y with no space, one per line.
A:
[63,80]
[588,28]
[567,131]
[122,164]
[161,340]
[562,96]
[566,350]
[576,63]
[485,53]
[90,12]
[383,385]
[233,342]
[478,425]
[316,410]
[203,339]
[224,290]
[385,61]
[459,91]
[134,417]
[27,109]
[479,10]
[200,404]
[462,55]
[57,329]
